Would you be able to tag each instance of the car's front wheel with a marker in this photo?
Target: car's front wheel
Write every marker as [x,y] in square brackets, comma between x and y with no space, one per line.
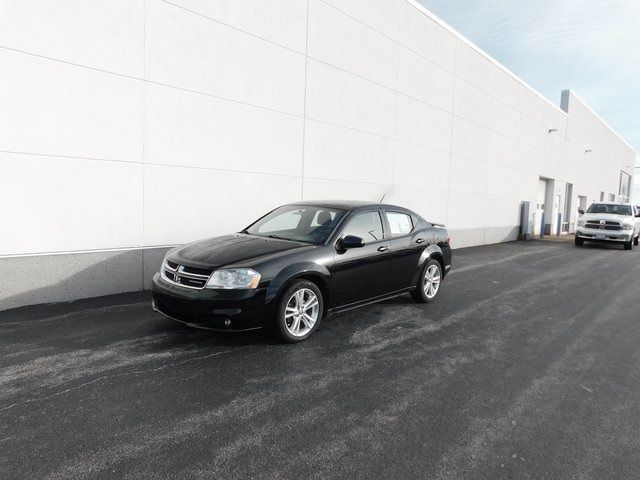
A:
[579,241]
[299,311]
[628,245]
[636,241]
[429,284]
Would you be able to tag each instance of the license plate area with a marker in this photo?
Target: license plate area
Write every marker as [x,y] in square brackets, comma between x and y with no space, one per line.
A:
[601,236]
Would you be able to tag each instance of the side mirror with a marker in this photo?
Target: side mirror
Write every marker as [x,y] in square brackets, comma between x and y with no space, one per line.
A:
[581,211]
[351,241]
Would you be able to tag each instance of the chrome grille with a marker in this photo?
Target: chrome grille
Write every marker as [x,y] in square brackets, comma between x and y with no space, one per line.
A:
[183,276]
[603,225]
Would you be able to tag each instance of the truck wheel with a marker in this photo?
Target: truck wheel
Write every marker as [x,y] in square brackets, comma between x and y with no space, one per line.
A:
[579,241]
[636,240]
[628,245]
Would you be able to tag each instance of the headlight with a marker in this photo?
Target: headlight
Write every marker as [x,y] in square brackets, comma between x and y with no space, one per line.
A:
[628,226]
[580,223]
[234,278]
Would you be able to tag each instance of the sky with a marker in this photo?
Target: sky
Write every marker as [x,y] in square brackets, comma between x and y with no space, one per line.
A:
[591,47]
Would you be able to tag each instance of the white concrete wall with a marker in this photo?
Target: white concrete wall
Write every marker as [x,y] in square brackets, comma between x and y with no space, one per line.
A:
[133,124]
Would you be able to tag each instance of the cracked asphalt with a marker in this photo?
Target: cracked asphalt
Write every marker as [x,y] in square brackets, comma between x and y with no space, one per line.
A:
[528,366]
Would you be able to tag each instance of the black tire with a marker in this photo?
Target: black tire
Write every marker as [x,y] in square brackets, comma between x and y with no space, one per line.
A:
[420,293]
[636,241]
[579,241]
[284,321]
[628,245]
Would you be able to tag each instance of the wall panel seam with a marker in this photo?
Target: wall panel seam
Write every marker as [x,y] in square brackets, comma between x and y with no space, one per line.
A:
[304,104]
[237,29]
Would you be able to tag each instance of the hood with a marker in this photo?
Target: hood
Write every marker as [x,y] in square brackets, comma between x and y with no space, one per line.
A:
[218,252]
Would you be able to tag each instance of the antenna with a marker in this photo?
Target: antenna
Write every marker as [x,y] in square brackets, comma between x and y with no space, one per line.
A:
[382,197]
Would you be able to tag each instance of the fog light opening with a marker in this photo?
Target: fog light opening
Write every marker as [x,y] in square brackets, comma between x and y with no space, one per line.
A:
[227,322]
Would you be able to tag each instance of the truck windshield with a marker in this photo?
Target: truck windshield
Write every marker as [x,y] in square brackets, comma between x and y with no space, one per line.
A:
[300,223]
[610,208]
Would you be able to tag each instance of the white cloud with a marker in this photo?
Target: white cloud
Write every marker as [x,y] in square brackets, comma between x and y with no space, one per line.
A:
[592,47]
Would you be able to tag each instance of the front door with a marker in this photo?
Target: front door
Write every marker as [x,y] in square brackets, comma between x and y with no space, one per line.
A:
[362,273]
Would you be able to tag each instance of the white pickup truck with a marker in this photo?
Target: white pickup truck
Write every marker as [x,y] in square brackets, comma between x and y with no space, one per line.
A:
[609,223]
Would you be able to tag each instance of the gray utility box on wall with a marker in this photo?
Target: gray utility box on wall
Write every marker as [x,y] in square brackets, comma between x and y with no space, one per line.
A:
[526,225]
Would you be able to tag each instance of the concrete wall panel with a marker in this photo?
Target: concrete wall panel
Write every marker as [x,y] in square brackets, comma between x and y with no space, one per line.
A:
[424,80]
[317,188]
[189,51]
[54,278]
[344,99]
[280,21]
[346,43]
[381,15]
[54,108]
[340,153]
[416,166]
[184,204]
[426,37]
[103,34]
[190,129]
[422,124]
[68,204]
[474,67]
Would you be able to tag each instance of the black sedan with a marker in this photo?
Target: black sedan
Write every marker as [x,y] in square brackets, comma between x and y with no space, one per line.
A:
[301,262]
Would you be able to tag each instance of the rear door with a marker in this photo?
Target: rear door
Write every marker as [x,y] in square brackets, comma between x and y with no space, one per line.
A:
[362,273]
[407,244]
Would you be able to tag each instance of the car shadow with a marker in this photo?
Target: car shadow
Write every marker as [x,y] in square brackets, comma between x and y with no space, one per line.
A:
[176,335]
[602,246]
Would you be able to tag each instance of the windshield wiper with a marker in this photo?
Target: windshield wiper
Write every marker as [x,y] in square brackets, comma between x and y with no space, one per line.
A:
[276,236]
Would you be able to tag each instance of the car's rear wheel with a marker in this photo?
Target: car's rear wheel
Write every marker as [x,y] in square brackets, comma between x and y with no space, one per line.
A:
[636,241]
[428,286]
[579,241]
[299,311]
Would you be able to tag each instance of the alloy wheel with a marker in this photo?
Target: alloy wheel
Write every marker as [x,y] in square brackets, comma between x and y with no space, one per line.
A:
[431,281]
[301,312]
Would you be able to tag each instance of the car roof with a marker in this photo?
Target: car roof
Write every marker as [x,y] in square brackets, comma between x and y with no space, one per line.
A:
[346,204]
[613,203]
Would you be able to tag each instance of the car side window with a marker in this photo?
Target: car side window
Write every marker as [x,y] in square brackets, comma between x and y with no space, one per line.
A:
[399,223]
[366,225]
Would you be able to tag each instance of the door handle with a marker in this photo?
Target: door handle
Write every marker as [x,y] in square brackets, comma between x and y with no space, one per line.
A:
[420,240]
[383,248]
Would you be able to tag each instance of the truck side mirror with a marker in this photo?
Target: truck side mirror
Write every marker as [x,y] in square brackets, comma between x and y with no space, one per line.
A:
[581,211]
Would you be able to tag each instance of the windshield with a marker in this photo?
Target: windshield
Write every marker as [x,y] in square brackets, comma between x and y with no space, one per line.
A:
[309,224]
[611,208]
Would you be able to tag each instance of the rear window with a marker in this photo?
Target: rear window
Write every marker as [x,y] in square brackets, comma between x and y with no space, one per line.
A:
[399,223]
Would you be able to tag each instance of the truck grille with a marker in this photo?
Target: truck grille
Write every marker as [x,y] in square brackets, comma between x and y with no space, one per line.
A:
[184,276]
[603,225]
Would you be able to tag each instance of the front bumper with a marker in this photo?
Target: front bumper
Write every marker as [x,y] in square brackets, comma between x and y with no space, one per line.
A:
[605,236]
[221,310]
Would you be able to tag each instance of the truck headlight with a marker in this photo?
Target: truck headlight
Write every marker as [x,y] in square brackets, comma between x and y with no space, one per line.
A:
[628,226]
[581,223]
[229,278]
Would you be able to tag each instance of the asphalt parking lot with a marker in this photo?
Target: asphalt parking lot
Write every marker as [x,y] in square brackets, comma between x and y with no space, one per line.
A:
[528,366]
